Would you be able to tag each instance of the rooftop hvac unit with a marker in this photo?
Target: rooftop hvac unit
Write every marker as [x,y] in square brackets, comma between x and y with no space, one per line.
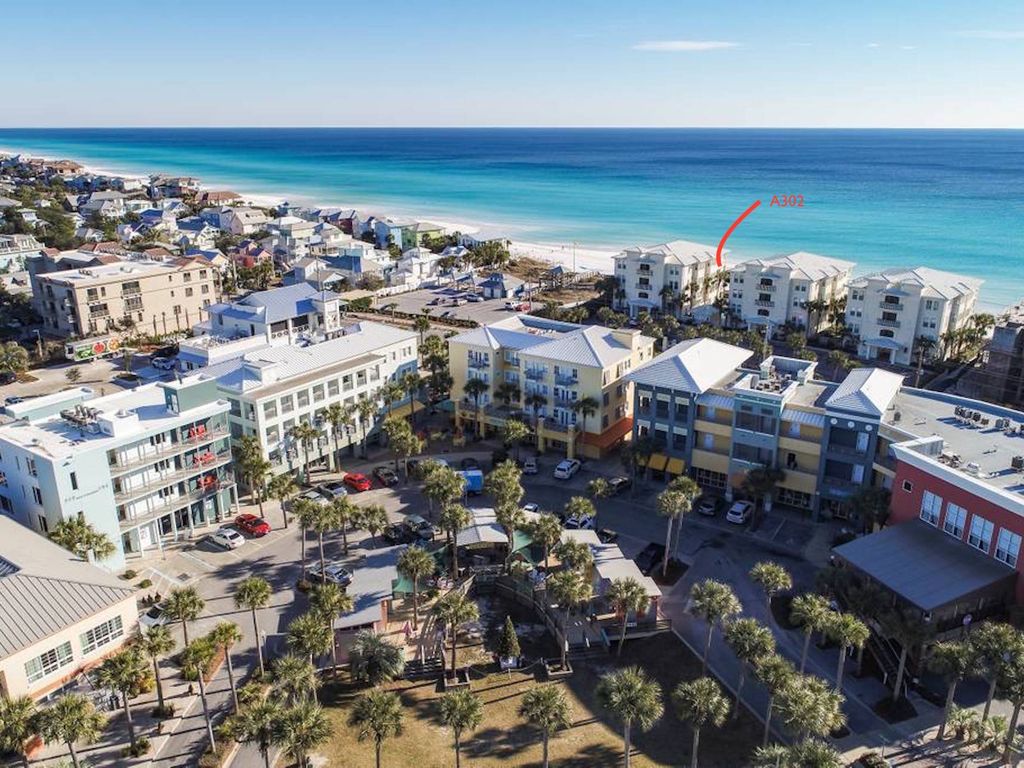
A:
[973,468]
[896,416]
[1017,463]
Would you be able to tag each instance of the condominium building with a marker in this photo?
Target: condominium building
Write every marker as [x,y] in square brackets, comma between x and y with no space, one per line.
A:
[796,289]
[285,315]
[999,376]
[889,311]
[59,615]
[714,421]
[160,297]
[144,467]
[677,277]
[272,389]
[541,370]
[15,249]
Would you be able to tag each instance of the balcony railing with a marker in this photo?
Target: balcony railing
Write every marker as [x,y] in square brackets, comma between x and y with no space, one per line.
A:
[763,303]
[201,465]
[174,503]
[643,286]
[478,363]
[767,288]
[566,379]
[848,450]
[553,426]
[535,374]
[169,449]
[890,305]
[888,323]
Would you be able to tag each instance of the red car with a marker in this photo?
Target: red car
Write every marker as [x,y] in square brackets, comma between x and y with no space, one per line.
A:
[254,525]
[357,481]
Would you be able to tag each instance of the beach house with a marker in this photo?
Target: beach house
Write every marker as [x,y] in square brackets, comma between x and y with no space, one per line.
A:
[679,277]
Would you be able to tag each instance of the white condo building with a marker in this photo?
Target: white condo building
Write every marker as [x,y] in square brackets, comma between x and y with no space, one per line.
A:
[644,272]
[777,290]
[888,311]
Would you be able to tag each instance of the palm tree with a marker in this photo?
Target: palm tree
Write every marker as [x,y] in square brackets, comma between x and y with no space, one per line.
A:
[323,522]
[225,635]
[156,642]
[13,357]
[760,483]
[871,506]
[282,487]
[547,709]
[337,415]
[909,631]
[546,530]
[366,409]
[847,631]
[714,602]
[374,519]
[455,609]
[773,672]
[310,636]
[598,488]
[308,512]
[70,720]
[374,660]
[514,432]
[811,612]
[809,707]
[625,596]
[442,485]
[412,383]
[476,388]
[254,594]
[579,507]
[672,505]
[569,589]
[392,393]
[80,538]
[453,518]
[991,645]
[304,434]
[302,729]
[416,563]
[195,662]
[952,660]
[377,715]
[344,514]
[701,703]
[258,722]
[535,401]
[421,325]
[750,640]
[585,407]
[328,602]
[575,554]
[1011,688]
[295,678]
[461,711]
[252,465]
[18,725]
[632,698]
[772,578]
[184,604]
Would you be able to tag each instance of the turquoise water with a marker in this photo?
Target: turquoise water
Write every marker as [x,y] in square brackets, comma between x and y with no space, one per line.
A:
[947,199]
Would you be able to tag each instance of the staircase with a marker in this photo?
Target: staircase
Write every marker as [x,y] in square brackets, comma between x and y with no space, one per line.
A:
[887,659]
[428,669]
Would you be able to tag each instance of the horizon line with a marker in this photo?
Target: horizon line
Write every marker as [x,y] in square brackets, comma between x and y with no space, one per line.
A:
[510,127]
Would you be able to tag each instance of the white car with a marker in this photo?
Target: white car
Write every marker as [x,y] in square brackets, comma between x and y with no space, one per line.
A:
[566,469]
[584,523]
[530,467]
[531,508]
[740,512]
[163,363]
[336,573]
[155,616]
[228,538]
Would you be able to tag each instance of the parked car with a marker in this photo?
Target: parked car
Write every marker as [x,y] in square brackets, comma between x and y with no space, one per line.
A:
[530,466]
[650,558]
[335,572]
[14,400]
[316,495]
[228,538]
[583,522]
[254,525]
[474,298]
[740,512]
[8,377]
[154,616]
[708,506]
[607,536]
[435,301]
[566,469]
[386,475]
[398,533]
[532,508]
[357,481]
[517,306]
[469,463]
[333,490]
[421,527]
[619,484]
[162,363]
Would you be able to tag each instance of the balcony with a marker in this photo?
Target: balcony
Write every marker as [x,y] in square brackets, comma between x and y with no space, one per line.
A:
[566,379]
[169,449]
[888,323]
[553,426]
[478,363]
[174,503]
[894,306]
[205,463]
[561,402]
[846,450]
[512,362]
[535,374]
[643,286]
[767,288]
[763,303]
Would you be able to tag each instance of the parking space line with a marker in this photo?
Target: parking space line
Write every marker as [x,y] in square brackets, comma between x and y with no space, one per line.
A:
[199,560]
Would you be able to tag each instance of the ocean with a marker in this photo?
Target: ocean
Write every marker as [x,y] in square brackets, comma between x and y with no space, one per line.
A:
[950,200]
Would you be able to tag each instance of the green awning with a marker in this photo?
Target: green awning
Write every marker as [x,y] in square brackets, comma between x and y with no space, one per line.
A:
[521,540]
[401,586]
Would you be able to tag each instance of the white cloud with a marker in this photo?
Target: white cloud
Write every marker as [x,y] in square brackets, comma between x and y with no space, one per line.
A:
[994,34]
[874,45]
[683,45]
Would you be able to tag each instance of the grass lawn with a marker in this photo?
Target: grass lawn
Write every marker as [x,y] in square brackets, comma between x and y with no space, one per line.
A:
[503,739]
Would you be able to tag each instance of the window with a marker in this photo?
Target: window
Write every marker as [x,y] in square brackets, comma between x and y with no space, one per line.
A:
[287,404]
[37,495]
[908,486]
[30,464]
[981,533]
[956,519]
[1007,547]
[101,635]
[318,393]
[333,388]
[188,293]
[74,481]
[48,663]
[270,409]
[931,506]
[303,397]
[273,435]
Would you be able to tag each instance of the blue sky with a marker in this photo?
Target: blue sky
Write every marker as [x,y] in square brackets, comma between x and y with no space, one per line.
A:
[897,63]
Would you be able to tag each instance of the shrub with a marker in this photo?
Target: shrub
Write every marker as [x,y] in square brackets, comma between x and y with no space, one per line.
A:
[166,712]
[872,760]
[145,584]
[129,575]
[142,746]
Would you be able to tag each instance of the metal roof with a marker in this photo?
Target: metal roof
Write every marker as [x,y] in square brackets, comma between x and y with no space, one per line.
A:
[692,366]
[867,391]
[287,302]
[923,565]
[373,580]
[44,589]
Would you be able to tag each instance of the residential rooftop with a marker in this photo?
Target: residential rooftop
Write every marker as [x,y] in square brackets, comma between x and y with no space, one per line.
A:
[274,305]
[935,282]
[682,252]
[373,581]
[114,271]
[693,366]
[808,266]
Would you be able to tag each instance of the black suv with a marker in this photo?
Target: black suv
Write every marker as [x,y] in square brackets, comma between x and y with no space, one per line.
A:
[650,558]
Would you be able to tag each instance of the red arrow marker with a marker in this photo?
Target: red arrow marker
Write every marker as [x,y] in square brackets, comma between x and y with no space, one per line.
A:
[730,230]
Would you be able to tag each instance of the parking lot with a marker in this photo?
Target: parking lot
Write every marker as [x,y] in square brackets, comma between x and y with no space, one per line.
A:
[439,302]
